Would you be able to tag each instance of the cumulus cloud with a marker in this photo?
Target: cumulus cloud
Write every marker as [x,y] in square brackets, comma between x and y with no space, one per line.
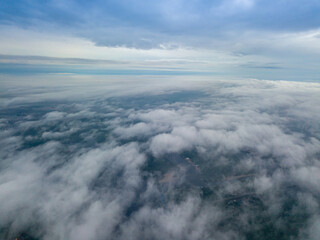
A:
[224,160]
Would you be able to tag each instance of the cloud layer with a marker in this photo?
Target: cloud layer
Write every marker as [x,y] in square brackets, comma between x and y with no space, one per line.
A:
[276,40]
[162,23]
[201,160]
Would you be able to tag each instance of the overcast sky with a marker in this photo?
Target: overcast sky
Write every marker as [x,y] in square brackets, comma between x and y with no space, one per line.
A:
[244,38]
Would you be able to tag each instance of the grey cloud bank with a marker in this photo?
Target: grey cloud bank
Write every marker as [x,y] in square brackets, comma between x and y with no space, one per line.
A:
[146,158]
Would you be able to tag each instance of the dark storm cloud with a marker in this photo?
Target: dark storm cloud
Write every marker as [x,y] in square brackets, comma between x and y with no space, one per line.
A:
[79,168]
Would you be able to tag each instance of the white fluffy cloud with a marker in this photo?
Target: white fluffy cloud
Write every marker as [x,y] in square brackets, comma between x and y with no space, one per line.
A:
[83,169]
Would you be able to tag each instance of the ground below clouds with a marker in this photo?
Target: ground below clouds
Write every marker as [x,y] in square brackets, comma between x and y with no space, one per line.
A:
[192,160]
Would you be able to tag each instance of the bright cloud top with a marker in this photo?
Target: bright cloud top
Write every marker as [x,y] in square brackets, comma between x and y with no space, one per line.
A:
[186,161]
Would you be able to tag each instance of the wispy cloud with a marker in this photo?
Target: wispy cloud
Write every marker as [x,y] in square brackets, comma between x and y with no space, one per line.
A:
[225,34]
[111,23]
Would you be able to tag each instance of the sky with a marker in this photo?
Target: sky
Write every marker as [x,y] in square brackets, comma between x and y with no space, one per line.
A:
[261,39]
